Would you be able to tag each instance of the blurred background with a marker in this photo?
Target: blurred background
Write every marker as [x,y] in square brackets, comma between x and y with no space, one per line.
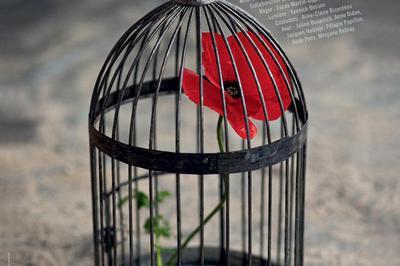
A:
[50,54]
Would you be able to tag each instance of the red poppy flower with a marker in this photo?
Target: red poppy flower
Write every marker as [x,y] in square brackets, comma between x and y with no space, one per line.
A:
[212,89]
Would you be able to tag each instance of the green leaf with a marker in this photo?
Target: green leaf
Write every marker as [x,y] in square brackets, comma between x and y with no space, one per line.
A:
[123,201]
[162,195]
[161,227]
[146,225]
[142,200]
[164,231]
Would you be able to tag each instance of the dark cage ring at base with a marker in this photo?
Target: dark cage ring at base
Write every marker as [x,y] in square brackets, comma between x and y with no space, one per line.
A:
[198,130]
[191,257]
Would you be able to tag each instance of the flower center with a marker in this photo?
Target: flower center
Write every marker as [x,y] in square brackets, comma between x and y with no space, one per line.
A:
[232,88]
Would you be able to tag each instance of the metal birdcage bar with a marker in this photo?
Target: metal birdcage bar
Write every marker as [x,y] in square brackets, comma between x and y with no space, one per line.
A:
[148,65]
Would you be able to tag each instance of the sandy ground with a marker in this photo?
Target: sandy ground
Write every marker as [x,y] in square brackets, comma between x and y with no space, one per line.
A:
[50,56]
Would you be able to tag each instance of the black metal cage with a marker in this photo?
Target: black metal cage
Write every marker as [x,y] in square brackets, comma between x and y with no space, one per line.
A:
[167,188]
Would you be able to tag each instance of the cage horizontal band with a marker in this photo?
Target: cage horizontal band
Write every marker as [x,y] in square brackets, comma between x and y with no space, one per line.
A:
[195,163]
[170,85]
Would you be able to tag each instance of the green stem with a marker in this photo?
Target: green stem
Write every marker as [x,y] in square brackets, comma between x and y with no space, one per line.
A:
[216,209]
[159,253]
[220,134]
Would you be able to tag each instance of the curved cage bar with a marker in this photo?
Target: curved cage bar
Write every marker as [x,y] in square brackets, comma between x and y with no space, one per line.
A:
[198,129]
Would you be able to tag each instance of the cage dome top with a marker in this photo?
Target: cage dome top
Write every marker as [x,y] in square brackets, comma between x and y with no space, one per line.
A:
[194,2]
[204,55]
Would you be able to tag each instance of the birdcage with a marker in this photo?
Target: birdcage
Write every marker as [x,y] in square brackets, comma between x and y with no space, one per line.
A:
[198,128]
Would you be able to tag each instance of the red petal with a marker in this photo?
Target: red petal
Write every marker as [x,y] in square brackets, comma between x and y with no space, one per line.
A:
[210,61]
[237,121]
[248,80]
[213,100]
[211,94]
